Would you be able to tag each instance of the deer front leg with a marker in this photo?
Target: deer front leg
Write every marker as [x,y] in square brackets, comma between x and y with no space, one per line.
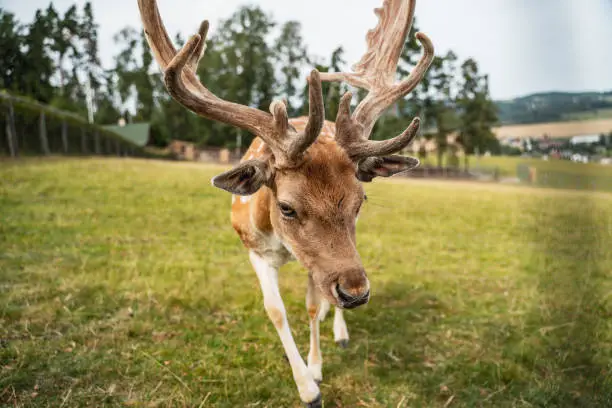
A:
[341,336]
[313,306]
[273,303]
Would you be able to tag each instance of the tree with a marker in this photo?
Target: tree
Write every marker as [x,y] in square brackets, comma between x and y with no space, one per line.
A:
[477,112]
[133,67]
[55,59]
[92,67]
[417,103]
[238,67]
[12,42]
[336,89]
[332,91]
[413,104]
[441,109]
[107,111]
[39,67]
[291,55]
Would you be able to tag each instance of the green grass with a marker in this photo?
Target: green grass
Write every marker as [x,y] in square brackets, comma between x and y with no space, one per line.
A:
[123,284]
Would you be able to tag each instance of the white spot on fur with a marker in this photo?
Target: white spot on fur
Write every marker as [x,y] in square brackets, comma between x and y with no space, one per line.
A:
[233,199]
[250,156]
[261,146]
[245,199]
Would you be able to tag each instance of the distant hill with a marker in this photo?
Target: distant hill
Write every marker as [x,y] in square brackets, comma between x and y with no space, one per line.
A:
[555,107]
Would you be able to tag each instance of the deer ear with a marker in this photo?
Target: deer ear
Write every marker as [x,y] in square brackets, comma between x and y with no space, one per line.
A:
[244,179]
[384,166]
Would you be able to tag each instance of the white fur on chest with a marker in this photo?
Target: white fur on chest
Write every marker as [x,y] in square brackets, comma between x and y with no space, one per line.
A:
[273,250]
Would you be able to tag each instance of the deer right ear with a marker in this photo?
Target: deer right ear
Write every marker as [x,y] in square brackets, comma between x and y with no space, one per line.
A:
[244,179]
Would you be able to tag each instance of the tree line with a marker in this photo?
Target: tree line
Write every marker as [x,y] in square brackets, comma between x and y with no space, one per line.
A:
[250,59]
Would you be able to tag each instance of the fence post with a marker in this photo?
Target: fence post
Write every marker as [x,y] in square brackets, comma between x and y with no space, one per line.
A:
[44,143]
[97,140]
[64,136]
[11,135]
[83,141]
[117,148]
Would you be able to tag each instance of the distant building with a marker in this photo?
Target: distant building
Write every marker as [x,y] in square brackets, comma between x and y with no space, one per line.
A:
[189,151]
[137,133]
[183,150]
[584,139]
[430,146]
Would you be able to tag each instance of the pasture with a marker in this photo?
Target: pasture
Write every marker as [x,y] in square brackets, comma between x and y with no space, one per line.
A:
[122,283]
[507,166]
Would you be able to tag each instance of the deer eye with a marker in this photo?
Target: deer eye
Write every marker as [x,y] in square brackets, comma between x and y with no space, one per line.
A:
[287,210]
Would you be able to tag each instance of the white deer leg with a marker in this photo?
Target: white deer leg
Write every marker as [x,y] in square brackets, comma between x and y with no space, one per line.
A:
[273,303]
[323,309]
[341,336]
[313,305]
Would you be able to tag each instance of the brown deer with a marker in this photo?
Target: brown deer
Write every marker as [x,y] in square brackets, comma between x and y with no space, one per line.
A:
[300,183]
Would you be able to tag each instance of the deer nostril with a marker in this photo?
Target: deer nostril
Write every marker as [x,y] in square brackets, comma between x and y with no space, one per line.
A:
[343,296]
[349,301]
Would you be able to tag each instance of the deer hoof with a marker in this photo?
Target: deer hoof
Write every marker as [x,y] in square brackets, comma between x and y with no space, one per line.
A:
[343,343]
[317,403]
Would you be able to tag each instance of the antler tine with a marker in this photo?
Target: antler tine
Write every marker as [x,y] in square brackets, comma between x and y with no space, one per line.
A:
[201,48]
[183,84]
[349,135]
[370,109]
[159,41]
[289,149]
[376,70]
[316,116]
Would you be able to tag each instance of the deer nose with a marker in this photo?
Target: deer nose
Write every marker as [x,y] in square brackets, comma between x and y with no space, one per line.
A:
[351,301]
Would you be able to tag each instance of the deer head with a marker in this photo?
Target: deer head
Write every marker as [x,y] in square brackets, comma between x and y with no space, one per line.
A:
[313,186]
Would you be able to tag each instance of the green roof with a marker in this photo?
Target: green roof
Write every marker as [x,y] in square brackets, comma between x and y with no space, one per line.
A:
[137,133]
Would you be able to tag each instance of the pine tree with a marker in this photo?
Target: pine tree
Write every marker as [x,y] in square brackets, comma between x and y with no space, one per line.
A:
[477,112]
[291,56]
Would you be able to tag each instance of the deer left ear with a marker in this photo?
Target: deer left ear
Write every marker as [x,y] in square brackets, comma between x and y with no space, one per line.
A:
[244,179]
[384,166]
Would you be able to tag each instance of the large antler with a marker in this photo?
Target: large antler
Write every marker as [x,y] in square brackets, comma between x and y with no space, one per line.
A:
[376,72]
[182,83]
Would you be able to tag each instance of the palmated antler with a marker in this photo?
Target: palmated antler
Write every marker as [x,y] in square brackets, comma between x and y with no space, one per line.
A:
[376,72]
[183,85]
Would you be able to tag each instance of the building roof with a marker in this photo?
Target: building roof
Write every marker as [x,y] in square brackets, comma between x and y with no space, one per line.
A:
[137,133]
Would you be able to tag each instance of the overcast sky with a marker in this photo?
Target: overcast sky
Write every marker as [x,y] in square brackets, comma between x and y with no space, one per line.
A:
[525,45]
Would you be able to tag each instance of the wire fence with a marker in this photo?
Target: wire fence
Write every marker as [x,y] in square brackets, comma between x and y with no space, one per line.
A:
[29,128]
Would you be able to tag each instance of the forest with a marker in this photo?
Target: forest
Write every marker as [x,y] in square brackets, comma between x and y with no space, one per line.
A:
[250,59]
[555,107]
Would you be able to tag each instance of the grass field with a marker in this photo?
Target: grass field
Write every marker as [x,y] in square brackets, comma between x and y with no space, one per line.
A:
[582,126]
[507,165]
[594,114]
[122,284]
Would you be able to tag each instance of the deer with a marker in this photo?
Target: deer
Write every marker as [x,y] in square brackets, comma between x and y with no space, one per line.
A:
[298,190]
